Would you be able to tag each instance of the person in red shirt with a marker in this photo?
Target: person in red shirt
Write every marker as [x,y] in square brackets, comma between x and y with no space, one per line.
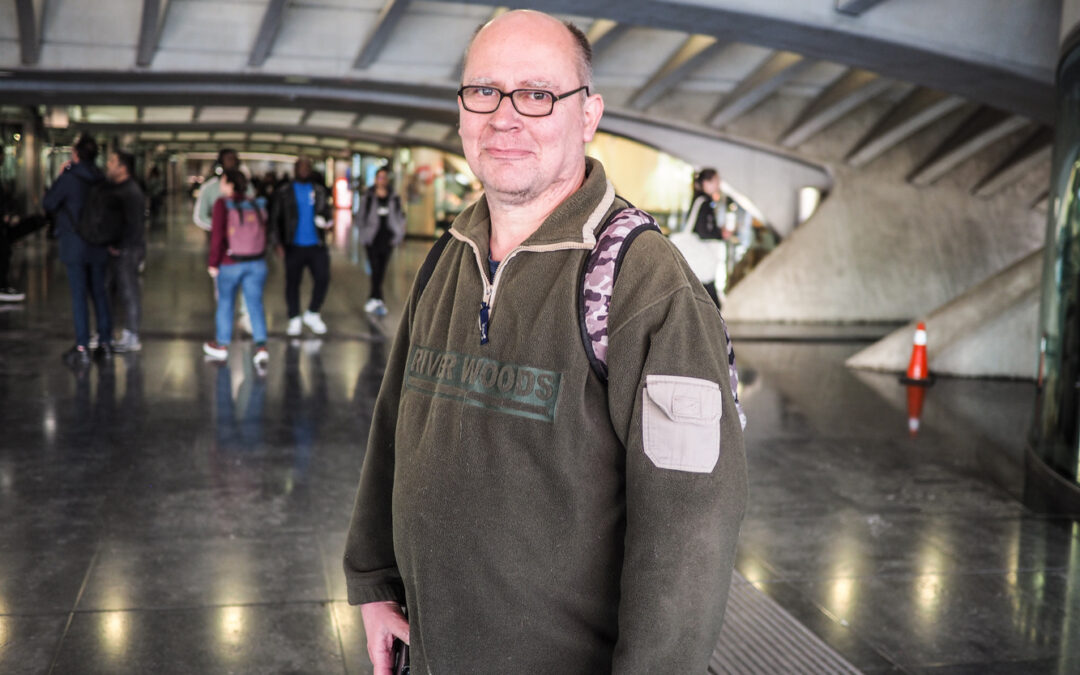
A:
[237,264]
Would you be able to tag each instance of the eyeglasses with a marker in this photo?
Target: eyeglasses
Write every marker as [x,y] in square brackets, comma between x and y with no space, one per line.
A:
[528,102]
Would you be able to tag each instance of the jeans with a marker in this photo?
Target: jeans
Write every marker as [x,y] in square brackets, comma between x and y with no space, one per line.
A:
[250,276]
[83,277]
[125,269]
[315,258]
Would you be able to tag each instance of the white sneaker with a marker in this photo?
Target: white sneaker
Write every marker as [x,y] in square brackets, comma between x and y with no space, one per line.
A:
[313,321]
[261,359]
[128,342]
[295,327]
[218,352]
[371,306]
[381,309]
[11,295]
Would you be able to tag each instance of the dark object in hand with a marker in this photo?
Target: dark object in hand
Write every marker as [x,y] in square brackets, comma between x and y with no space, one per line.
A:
[400,652]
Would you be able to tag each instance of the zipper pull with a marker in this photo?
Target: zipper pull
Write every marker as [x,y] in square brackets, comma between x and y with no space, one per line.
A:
[484,316]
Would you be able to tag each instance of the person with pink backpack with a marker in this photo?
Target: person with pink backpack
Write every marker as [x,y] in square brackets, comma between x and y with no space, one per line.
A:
[237,259]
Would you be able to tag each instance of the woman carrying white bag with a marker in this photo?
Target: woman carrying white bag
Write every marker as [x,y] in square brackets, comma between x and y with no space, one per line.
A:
[700,239]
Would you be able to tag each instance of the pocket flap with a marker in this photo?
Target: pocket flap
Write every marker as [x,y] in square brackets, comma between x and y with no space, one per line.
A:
[685,399]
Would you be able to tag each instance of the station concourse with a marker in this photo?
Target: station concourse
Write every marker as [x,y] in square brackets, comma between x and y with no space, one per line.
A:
[162,512]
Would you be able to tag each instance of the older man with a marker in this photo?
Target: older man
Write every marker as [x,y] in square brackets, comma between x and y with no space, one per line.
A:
[533,516]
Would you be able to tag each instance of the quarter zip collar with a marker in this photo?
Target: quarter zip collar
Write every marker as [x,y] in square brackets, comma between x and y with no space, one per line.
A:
[562,230]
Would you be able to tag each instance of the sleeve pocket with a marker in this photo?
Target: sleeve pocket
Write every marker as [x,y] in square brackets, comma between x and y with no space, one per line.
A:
[680,419]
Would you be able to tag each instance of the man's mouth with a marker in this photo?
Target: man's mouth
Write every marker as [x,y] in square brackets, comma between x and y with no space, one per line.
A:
[506,153]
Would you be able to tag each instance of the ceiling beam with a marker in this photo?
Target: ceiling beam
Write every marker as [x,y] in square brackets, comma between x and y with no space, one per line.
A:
[391,14]
[855,7]
[980,130]
[850,91]
[603,33]
[766,80]
[30,14]
[352,135]
[1029,156]
[459,69]
[268,32]
[917,110]
[690,56]
[153,21]
[1028,92]
[27,87]
[1041,203]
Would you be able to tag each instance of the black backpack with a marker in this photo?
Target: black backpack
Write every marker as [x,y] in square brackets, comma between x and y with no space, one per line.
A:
[99,223]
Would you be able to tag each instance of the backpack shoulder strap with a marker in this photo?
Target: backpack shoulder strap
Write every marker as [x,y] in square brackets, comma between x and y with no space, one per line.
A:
[598,280]
[432,259]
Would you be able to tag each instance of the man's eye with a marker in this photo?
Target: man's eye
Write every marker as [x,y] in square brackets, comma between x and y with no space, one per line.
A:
[484,91]
[538,96]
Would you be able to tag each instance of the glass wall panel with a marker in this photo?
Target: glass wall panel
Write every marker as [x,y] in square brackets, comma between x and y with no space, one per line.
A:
[1054,433]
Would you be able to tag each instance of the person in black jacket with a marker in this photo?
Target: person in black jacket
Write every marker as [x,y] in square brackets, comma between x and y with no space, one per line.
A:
[702,216]
[300,215]
[703,208]
[84,261]
[127,204]
[13,227]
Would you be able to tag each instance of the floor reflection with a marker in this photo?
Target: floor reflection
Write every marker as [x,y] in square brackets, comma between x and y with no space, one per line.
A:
[916,546]
[162,514]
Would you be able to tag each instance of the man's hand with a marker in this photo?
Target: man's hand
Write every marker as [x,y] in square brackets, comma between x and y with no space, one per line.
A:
[383,621]
[212,271]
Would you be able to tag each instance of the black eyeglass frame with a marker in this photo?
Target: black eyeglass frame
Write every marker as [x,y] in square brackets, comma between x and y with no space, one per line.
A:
[510,94]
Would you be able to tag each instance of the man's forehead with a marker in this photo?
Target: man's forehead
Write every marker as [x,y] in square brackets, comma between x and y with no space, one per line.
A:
[524,48]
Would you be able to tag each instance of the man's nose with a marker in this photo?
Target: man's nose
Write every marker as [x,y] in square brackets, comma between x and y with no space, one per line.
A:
[505,112]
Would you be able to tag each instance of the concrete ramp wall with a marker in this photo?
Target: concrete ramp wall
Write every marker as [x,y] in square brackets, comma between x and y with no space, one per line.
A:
[880,248]
[990,331]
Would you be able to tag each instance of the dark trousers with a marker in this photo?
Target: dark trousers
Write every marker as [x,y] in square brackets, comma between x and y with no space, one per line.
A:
[316,259]
[125,272]
[378,253]
[10,235]
[84,277]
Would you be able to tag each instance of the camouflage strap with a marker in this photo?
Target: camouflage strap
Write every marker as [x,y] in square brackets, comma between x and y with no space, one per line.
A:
[733,373]
[598,281]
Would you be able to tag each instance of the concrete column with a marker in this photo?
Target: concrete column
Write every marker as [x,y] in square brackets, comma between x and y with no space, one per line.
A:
[30,180]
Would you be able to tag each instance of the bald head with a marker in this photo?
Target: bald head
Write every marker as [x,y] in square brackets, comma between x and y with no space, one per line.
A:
[528,20]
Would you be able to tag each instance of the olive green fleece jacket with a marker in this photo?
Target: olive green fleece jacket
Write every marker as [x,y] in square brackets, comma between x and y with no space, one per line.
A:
[525,511]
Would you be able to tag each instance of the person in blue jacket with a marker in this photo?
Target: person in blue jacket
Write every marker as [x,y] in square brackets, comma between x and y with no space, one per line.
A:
[86,263]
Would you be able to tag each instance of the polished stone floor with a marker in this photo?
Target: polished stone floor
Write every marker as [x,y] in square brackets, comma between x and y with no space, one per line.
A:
[162,514]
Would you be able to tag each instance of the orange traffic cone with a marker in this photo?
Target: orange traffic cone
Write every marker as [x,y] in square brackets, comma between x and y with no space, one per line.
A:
[918,373]
[915,397]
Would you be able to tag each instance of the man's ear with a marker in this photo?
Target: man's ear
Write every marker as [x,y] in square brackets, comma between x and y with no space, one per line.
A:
[594,110]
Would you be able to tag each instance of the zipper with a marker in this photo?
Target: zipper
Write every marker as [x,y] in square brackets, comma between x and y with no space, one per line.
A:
[487,302]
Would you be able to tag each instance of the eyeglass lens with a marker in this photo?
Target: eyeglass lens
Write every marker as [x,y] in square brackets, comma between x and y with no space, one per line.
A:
[525,101]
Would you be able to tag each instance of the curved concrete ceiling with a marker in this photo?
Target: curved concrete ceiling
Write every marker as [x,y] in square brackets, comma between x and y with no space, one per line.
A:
[763,76]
